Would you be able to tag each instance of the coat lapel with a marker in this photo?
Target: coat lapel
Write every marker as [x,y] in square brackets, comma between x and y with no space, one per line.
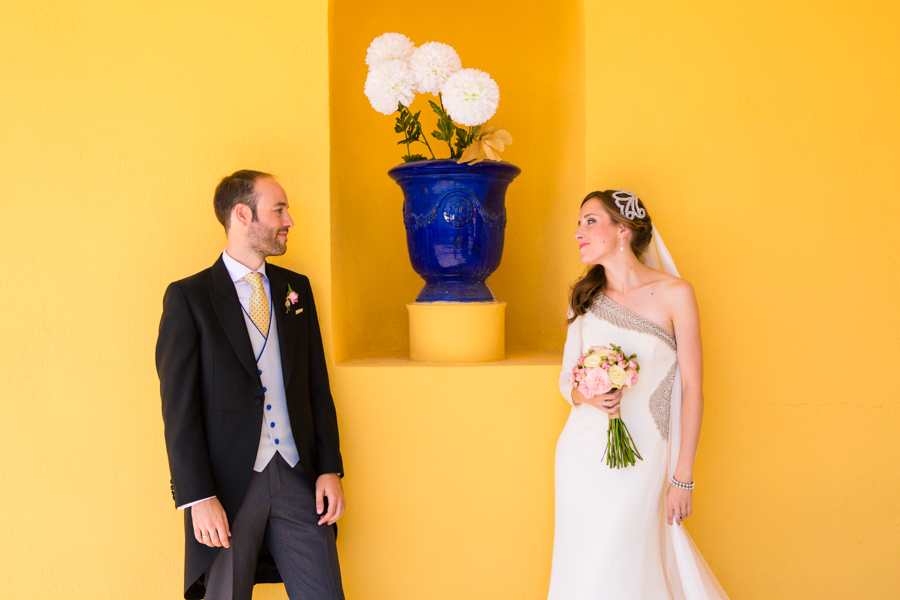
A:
[283,320]
[228,310]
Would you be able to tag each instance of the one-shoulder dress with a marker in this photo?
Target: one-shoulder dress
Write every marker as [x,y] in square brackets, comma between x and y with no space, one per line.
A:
[611,539]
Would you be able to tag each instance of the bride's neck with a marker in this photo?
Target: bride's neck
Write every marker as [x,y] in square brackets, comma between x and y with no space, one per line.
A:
[624,274]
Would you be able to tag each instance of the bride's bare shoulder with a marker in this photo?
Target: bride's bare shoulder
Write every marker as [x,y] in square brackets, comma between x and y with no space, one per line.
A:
[676,292]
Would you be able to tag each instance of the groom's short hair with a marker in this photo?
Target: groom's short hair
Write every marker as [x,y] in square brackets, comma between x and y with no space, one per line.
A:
[237,188]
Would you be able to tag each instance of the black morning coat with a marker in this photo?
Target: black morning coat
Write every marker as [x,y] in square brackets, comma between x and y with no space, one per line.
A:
[212,398]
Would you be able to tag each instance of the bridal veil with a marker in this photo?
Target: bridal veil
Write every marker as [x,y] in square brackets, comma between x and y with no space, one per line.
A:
[688,575]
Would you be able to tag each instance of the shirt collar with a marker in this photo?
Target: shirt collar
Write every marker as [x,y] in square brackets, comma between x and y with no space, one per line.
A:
[236,270]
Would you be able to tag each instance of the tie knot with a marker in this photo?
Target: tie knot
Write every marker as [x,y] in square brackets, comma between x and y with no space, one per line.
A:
[254,279]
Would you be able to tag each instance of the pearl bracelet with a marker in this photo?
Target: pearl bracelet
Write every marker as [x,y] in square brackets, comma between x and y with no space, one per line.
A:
[678,484]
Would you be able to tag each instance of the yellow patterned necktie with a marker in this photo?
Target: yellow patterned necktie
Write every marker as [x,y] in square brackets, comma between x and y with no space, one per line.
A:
[259,304]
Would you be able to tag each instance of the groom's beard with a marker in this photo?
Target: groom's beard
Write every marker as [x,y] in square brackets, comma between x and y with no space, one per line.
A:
[265,241]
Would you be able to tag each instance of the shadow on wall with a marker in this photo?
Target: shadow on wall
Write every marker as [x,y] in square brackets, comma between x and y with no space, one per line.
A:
[542,106]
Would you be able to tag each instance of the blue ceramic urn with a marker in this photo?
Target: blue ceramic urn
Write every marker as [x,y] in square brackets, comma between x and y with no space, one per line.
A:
[455,217]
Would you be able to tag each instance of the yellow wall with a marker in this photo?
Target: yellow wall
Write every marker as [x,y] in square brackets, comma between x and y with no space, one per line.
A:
[117,120]
[765,139]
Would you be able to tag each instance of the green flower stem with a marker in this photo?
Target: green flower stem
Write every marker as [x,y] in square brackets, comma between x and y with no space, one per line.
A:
[425,139]
[620,448]
[450,140]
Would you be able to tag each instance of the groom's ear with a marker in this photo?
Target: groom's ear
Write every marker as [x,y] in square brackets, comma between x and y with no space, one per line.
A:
[241,214]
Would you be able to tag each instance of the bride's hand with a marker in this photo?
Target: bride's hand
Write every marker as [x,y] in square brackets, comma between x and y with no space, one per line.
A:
[678,504]
[608,403]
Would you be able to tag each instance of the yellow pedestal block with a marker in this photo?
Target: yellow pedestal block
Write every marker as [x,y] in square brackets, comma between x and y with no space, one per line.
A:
[445,462]
[454,332]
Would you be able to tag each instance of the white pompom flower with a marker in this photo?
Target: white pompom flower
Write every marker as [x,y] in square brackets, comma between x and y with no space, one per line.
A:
[432,64]
[389,47]
[471,97]
[390,84]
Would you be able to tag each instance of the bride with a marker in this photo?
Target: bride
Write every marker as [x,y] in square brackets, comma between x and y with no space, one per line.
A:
[618,531]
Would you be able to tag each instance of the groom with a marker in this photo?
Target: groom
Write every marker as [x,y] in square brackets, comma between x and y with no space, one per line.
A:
[250,425]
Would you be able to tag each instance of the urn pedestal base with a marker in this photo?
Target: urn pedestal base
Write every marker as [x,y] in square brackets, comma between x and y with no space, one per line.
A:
[456,332]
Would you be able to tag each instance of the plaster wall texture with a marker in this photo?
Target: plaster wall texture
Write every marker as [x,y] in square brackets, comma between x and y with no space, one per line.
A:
[763,138]
[117,120]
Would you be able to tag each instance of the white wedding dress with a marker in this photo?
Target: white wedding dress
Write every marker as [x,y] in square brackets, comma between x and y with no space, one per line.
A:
[612,540]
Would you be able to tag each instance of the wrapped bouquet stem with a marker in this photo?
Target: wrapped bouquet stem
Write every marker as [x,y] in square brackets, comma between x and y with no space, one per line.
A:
[600,371]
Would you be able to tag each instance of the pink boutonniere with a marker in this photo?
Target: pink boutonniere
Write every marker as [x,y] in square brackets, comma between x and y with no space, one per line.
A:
[292,298]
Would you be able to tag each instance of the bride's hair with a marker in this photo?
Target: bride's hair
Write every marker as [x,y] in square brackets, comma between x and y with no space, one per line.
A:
[585,290]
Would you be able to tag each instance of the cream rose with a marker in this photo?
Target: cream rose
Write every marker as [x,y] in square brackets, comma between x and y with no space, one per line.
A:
[593,360]
[617,375]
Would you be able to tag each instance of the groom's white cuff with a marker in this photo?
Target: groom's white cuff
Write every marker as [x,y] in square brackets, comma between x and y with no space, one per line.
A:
[184,506]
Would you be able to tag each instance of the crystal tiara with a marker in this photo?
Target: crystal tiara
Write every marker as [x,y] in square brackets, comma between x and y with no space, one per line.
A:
[629,205]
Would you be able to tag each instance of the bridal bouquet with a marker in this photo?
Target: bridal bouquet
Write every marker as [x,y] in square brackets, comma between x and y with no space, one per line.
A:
[600,371]
[398,71]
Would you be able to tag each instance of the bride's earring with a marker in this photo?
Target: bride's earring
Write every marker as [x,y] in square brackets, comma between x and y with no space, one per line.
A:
[621,244]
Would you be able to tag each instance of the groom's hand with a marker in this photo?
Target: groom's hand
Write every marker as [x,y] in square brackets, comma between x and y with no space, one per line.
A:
[211,523]
[328,486]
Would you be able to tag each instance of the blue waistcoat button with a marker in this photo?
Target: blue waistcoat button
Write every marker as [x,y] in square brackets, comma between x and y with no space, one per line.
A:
[276,440]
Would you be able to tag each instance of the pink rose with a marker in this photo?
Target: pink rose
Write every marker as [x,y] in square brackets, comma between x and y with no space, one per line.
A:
[597,381]
[605,366]
[632,364]
[587,390]
[598,348]
[632,377]
[293,297]
[571,380]
[622,363]
[580,362]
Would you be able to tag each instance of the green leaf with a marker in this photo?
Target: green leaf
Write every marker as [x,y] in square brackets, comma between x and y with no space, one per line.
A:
[445,128]
[464,138]
[414,158]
